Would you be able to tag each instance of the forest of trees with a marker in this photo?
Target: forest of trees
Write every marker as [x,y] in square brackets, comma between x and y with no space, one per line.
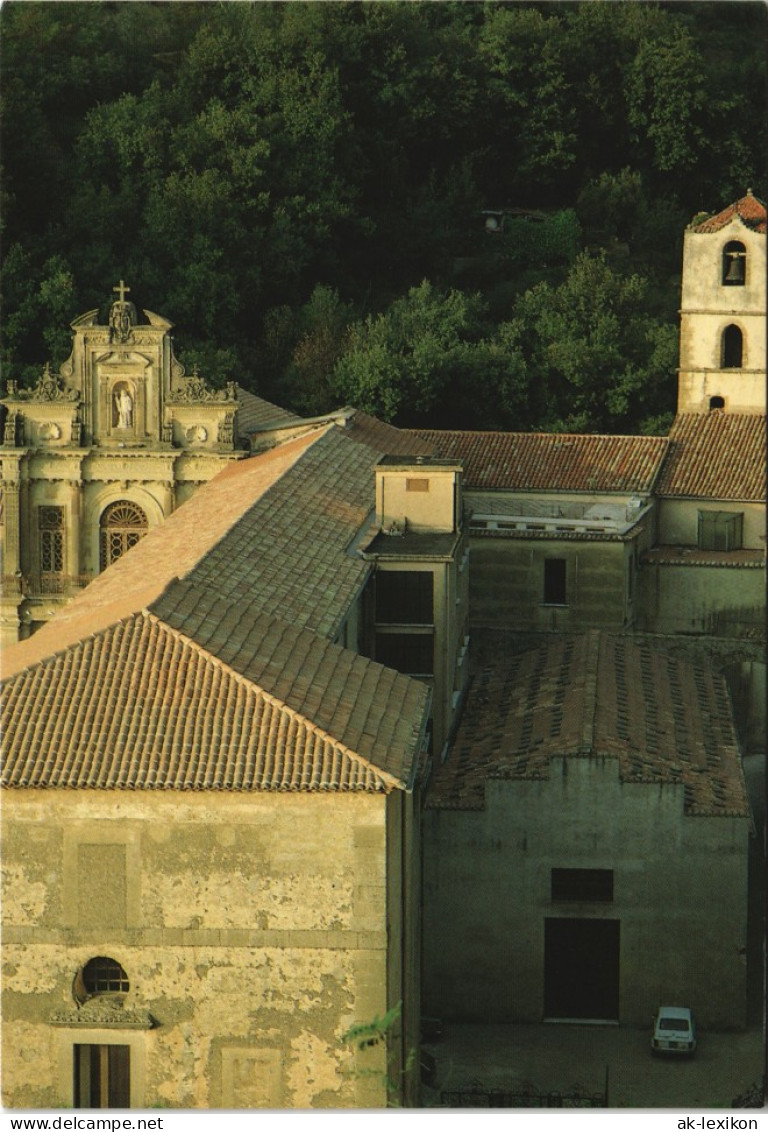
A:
[301,188]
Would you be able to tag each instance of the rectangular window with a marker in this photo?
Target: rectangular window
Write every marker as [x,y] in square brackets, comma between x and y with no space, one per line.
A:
[102,1076]
[582,885]
[409,653]
[50,522]
[404,597]
[416,485]
[721,530]
[554,581]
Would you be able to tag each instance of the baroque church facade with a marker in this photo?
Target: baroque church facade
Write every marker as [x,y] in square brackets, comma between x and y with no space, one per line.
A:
[351,661]
[96,455]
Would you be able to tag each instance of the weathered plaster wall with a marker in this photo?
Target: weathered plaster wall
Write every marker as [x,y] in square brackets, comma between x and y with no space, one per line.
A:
[679,521]
[679,892]
[252,928]
[724,601]
[507,584]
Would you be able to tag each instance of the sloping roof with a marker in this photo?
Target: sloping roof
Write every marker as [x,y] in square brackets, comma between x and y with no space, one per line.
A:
[535,461]
[168,551]
[666,721]
[386,438]
[715,455]
[141,706]
[749,209]
[233,601]
[254,412]
[289,552]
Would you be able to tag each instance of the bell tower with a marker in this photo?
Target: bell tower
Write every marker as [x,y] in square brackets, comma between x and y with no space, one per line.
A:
[722,317]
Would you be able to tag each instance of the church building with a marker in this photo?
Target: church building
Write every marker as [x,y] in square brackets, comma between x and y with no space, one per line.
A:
[345,713]
[96,455]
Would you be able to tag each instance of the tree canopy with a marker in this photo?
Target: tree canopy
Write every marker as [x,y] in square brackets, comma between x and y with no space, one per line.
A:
[301,188]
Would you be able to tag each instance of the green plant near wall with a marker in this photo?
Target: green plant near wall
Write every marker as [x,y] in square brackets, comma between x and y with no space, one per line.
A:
[368,1035]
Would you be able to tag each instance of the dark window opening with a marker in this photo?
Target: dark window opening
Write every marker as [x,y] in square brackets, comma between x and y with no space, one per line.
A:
[103,975]
[122,525]
[409,653]
[734,264]
[716,403]
[582,884]
[721,530]
[102,1076]
[555,581]
[732,347]
[404,597]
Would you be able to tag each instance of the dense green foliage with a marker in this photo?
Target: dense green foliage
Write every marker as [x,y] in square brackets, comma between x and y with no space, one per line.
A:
[301,186]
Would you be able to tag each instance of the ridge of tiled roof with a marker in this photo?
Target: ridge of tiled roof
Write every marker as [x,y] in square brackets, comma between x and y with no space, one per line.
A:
[664,719]
[254,412]
[715,455]
[289,552]
[367,707]
[141,706]
[749,209]
[386,438]
[537,461]
[167,551]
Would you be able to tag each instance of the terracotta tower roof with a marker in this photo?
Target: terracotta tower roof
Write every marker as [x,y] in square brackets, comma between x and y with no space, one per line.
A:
[749,209]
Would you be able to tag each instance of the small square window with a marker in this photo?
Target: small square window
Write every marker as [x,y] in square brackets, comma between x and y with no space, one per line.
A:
[416,484]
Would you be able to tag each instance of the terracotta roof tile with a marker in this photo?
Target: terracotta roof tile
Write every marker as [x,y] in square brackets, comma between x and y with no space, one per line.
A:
[749,209]
[288,552]
[254,412]
[140,706]
[168,551]
[665,720]
[691,556]
[385,438]
[715,455]
[369,708]
[522,461]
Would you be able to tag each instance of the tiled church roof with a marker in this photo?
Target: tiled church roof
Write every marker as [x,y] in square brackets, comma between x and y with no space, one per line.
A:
[666,721]
[141,706]
[531,461]
[229,605]
[715,455]
[749,209]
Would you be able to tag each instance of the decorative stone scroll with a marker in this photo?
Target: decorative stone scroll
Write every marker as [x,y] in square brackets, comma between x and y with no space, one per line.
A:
[50,387]
[196,389]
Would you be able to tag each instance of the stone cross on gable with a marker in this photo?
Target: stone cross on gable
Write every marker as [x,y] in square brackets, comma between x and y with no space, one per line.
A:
[122,289]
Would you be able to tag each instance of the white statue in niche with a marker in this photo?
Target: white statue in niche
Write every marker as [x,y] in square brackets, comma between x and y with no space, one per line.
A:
[124,408]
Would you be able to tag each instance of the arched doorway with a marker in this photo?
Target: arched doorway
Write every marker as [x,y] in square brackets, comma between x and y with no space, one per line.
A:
[121,526]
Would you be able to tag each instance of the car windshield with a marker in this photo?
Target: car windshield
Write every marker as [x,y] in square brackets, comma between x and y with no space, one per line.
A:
[673,1023]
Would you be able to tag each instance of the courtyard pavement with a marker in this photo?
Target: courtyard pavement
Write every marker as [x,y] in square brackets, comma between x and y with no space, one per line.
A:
[554,1057]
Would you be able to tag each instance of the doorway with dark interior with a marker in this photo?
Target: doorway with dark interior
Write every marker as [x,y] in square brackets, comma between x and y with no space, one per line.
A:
[581,969]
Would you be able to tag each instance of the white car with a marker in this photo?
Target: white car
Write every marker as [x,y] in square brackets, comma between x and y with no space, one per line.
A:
[674,1031]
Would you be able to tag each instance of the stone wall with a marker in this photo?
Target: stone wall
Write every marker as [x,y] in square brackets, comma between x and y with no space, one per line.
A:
[253,930]
[679,893]
[507,584]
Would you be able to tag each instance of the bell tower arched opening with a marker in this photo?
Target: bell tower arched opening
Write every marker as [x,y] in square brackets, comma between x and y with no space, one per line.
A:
[734,264]
[731,347]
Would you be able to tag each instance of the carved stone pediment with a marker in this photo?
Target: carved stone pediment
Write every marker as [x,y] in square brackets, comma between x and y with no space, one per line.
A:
[103,1012]
[196,389]
[50,387]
